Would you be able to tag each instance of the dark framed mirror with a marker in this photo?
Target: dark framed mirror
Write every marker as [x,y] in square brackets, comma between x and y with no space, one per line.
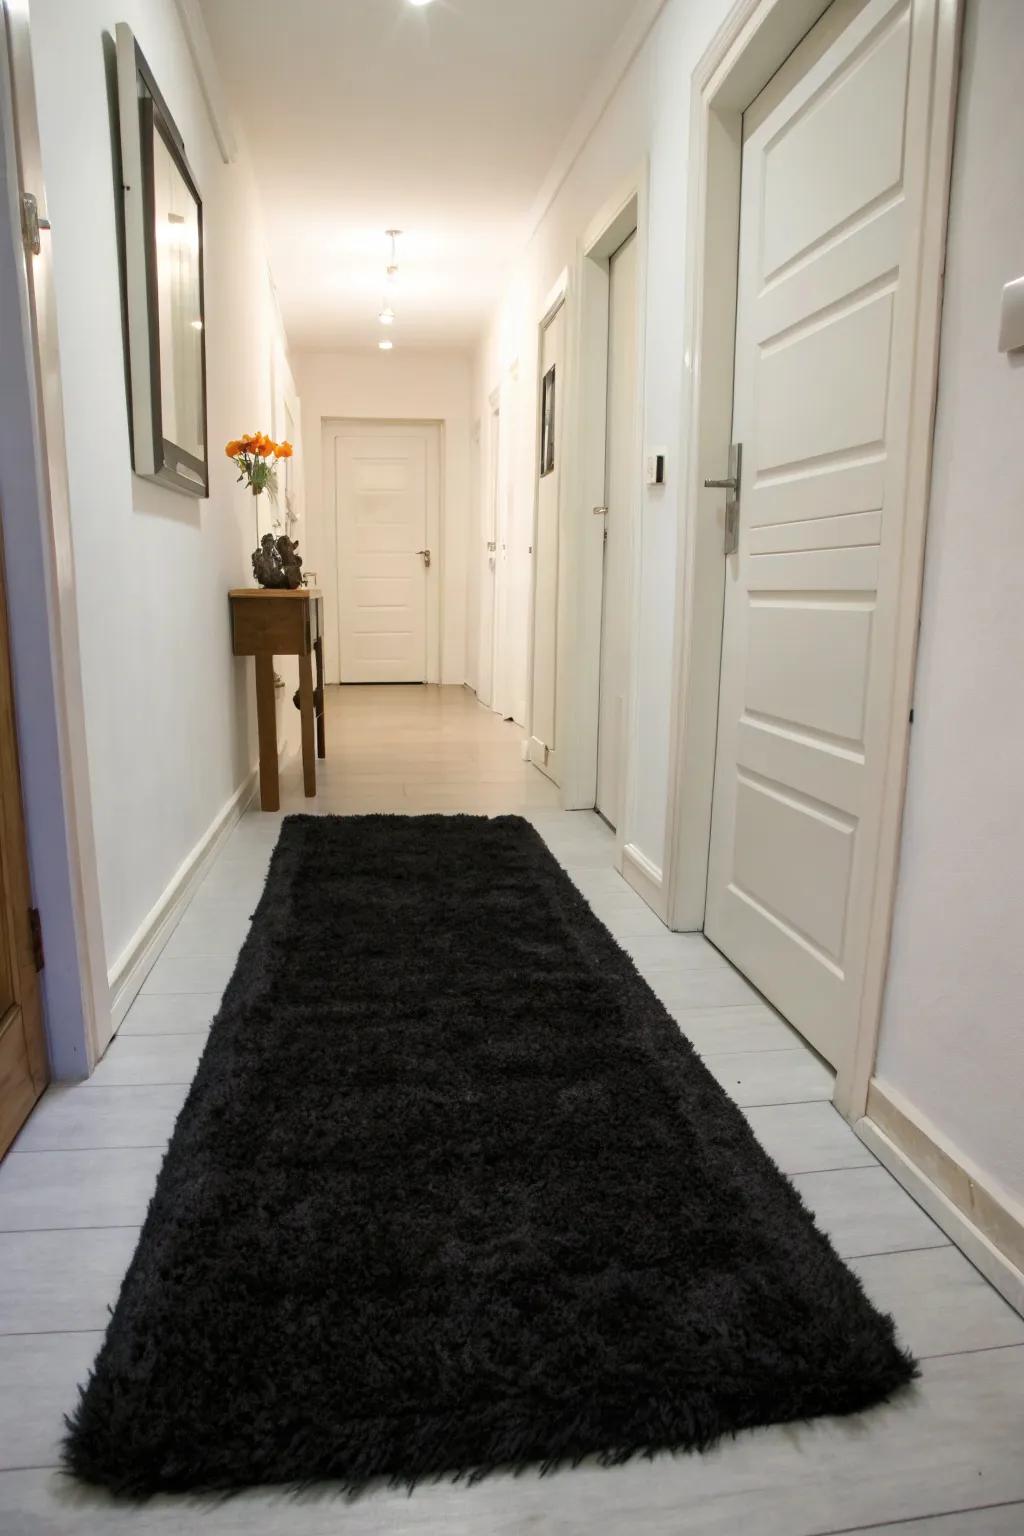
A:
[163,267]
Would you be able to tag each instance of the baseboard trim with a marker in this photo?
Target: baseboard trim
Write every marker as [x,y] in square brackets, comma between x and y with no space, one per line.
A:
[645,877]
[130,970]
[984,1223]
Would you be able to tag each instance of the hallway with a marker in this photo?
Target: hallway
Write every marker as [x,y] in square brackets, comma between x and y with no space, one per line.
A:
[74,1190]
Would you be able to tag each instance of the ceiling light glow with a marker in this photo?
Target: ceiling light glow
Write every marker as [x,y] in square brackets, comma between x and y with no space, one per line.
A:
[419,2]
[385,346]
[387,315]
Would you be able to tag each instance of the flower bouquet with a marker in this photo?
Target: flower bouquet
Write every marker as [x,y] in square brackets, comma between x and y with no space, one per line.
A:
[256,457]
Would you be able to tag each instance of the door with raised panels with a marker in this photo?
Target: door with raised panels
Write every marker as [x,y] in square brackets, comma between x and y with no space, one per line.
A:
[822,381]
[386,482]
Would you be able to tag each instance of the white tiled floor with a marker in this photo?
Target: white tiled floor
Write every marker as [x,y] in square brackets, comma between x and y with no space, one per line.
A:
[946,1457]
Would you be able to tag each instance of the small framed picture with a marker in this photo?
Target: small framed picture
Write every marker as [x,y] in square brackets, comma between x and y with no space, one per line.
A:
[547,423]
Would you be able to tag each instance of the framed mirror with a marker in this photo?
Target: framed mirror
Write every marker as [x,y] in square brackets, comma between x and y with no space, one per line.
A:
[163,265]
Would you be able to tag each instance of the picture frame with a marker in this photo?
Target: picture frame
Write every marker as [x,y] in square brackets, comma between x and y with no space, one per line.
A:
[163,272]
[547,423]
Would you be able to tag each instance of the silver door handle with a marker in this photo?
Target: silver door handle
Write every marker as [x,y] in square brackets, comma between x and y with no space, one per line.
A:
[600,511]
[731,484]
[426,556]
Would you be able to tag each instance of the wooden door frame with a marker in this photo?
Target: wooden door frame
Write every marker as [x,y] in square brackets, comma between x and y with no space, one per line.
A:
[623,213]
[750,46]
[41,596]
[436,524]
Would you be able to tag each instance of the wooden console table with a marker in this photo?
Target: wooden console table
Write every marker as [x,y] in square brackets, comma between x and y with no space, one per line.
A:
[268,622]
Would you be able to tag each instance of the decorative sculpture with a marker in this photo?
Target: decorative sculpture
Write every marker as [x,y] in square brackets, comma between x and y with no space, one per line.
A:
[277,562]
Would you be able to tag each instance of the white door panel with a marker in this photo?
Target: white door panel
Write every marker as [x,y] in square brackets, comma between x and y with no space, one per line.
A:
[621,474]
[385,496]
[823,361]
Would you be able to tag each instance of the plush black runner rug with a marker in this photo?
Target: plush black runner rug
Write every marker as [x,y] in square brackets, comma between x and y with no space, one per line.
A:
[451,1191]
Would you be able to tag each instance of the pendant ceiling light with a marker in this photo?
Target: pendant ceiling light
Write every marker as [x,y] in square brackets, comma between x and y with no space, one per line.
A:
[391,271]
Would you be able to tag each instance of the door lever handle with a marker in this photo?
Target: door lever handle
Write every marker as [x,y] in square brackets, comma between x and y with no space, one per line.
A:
[731,483]
[426,556]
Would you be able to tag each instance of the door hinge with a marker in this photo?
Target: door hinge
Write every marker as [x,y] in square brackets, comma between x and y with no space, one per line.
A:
[32,223]
[35,927]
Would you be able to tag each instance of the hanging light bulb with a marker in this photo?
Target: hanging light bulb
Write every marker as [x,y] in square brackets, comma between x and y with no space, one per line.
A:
[387,315]
[385,346]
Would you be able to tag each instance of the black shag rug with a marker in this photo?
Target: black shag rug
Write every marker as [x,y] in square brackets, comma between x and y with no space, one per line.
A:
[450,1191]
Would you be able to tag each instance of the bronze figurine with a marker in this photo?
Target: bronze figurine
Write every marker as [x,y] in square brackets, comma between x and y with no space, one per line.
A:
[277,562]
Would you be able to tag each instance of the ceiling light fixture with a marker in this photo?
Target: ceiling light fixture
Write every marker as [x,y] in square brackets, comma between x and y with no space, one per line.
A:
[419,2]
[392,267]
[387,315]
[385,346]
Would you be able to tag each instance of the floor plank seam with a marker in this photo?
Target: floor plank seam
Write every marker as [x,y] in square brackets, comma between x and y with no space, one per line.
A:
[118,1226]
[912,1520]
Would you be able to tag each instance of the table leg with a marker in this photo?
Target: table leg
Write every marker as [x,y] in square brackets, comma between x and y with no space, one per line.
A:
[266,719]
[321,724]
[307,711]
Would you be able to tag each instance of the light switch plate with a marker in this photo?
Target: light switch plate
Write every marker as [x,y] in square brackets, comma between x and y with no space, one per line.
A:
[654,466]
[1011,324]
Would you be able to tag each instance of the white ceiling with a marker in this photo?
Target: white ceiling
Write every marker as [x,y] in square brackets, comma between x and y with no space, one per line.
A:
[441,120]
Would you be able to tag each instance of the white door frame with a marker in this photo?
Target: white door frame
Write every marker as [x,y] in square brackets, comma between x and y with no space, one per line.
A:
[746,52]
[501,688]
[558,299]
[331,427]
[488,556]
[41,592]
[579,657]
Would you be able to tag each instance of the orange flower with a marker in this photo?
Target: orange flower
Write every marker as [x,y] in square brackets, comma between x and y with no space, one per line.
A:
[233,448]
[283,450]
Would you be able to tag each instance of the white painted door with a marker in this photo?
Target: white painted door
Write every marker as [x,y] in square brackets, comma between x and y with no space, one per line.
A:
[621,476]
[543,745]
[488,559]
[833,166]
[386,502]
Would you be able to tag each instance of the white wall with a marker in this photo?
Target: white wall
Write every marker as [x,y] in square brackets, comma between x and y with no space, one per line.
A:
[647,119]
[169,722]
[952,1037]
[391,386]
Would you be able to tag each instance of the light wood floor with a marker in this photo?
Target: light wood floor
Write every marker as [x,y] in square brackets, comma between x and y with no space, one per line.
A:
[944,1460]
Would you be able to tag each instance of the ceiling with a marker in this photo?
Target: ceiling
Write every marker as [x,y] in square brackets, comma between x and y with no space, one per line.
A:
[441,120]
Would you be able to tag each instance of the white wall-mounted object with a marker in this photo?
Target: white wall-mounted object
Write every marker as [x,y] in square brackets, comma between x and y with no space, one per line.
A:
[1011,317]
[655,460]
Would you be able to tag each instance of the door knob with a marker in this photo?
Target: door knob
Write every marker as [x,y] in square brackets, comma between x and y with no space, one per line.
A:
[426,556]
